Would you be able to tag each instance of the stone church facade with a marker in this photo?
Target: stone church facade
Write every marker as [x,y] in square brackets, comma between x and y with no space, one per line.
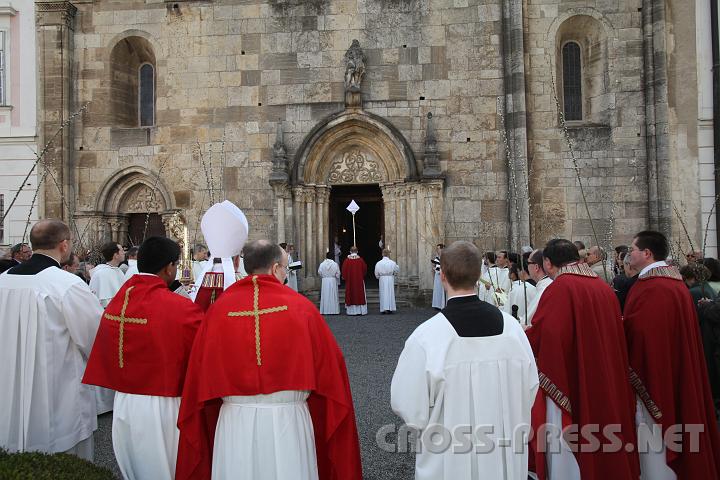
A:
[444,118]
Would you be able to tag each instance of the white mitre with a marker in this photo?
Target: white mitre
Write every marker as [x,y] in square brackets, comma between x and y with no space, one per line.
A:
[225,229]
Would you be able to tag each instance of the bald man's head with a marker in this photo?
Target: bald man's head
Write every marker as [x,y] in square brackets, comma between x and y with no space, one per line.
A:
[48,234]
[260,256]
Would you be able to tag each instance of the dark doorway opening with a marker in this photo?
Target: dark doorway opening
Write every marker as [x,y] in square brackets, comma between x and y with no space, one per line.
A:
[136,228]
[369,223]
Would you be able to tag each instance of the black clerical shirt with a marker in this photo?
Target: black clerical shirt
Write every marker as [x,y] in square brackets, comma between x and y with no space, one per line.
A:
[471,317]
[37,263]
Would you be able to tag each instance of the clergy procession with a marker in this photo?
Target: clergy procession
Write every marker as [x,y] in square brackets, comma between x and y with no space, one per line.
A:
[551,363]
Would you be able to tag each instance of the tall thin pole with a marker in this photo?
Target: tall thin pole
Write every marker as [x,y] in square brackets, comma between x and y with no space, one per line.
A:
[354,241]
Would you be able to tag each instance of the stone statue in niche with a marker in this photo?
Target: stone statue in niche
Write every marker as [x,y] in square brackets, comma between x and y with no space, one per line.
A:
[354,67]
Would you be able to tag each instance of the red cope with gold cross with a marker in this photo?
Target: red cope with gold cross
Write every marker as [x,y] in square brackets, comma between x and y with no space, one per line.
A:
[122,319]
[256,312]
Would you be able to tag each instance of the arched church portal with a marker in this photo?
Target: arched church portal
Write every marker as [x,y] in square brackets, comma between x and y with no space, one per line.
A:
[355,155]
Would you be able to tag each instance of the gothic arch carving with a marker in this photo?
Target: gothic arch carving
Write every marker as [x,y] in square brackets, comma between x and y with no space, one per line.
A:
[353,147]
[130,190]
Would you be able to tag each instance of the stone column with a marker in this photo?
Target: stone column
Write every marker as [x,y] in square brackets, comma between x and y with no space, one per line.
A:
[55,34]
[322,194]
[124,226]
[389,197]
[513,108]
[115,230]
[300,226]
[282,194]
[309,237]
[401,226]
[412,257]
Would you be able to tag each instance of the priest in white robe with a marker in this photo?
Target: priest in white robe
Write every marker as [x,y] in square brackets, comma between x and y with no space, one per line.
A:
[385,271]
[438,298]
[49,321]
[542,281]
[494,283]
[521,295]
[148,369]
[200,259]
[106,280]
[329,272]
[468,367]
[132,262]
[292,280]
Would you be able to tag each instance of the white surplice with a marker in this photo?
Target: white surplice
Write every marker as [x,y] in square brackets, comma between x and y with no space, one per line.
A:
[145,436]
[539,289]
[651,448]
[292,276]
[132,269]
[438,298]
[498,278]
[444,382]
[521,294]
[105,282]
[560,459]
[265,437]
[385,272]
[49,322]
[198,266]
[330,274]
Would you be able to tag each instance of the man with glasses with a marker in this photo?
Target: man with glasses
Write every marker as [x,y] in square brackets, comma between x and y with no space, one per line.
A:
[49,320]
[542,281]
[668,369]
[267,394]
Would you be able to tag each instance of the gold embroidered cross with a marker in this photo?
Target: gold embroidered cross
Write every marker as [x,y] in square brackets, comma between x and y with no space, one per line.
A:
[122,319]
[256,312]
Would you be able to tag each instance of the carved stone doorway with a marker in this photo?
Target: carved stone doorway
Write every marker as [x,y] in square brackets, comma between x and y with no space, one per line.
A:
[369,222]
[136,227]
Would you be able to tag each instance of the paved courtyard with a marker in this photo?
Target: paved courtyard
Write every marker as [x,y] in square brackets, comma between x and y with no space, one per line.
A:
[371,345]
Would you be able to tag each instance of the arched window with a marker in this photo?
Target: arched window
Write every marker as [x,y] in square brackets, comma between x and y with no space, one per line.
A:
[133,83]
[146,95]
[572,81]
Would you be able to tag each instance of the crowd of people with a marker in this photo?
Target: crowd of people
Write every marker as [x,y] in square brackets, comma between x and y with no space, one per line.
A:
[591,361]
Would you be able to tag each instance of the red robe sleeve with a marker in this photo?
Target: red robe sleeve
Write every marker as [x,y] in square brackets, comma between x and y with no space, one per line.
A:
[669,372]
[299,353]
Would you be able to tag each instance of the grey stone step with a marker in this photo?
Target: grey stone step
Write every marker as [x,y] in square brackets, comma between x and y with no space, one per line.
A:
[372,295]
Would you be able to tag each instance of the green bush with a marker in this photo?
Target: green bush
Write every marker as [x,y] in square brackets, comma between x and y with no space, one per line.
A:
[41,466]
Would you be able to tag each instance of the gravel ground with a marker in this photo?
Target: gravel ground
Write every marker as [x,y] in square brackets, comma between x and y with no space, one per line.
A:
[371,345]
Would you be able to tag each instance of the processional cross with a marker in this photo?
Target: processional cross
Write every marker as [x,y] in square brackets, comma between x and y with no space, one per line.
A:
[256,312]
[122,319]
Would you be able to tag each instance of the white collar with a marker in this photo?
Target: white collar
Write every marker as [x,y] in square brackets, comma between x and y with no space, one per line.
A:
[461,296]
[148,274]
[353,256]
[661,263]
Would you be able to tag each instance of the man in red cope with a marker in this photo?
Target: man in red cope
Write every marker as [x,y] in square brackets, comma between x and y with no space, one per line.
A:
[141,351]
[668,370]
[579,344]
[267,394]
[353,272]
